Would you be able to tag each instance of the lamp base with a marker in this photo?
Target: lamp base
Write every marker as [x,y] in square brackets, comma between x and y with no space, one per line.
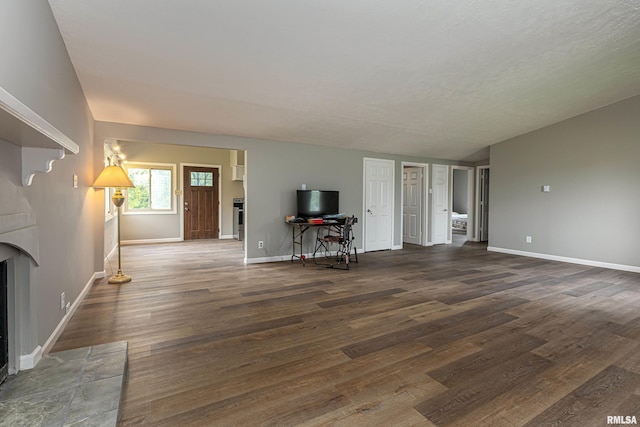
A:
[120,278]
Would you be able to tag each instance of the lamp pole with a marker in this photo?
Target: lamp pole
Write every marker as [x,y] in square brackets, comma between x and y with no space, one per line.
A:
[118,200]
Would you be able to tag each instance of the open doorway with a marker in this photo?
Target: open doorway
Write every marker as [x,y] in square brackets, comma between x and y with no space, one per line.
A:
[414,203]
[461,204]
[216,178]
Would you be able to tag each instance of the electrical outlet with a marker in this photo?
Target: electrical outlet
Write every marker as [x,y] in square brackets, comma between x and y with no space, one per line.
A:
[67,308]
[260,244]
[527,239]
[62,301]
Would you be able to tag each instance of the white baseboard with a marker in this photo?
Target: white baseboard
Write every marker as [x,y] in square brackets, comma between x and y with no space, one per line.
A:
[150,241]
[226,237]
[396,247]
[29,361]
[268,259]
[65,319]
[590,263]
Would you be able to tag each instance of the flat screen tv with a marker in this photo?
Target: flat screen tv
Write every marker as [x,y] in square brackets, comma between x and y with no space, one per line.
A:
[317,203]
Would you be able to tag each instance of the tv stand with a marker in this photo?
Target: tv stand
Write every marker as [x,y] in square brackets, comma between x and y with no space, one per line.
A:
[298,230]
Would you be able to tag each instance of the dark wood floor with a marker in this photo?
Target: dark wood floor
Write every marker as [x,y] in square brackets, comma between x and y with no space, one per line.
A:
[447,335]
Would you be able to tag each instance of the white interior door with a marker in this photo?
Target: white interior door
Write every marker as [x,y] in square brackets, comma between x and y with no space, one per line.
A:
[378,204]
[440,215]
[412,205]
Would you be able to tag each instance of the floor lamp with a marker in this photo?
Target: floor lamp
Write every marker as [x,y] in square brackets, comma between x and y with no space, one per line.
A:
[115,177]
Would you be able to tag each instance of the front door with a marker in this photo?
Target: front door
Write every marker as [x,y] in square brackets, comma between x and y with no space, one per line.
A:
[412,205]
[378,202]
[441,222]
[201,186]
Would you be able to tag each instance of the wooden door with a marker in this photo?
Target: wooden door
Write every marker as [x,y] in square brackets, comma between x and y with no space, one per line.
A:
[201,202]
[378,226]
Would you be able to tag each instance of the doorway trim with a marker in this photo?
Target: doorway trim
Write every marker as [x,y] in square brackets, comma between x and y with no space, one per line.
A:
[470,201]
[476,225]
[181,195]
[425,239]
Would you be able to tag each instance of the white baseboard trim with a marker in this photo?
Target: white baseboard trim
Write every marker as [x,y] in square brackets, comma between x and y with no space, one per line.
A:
[226,237]
[29,361]
[65,319]
[151,241]
[270,259]
[396,247]
[580,261]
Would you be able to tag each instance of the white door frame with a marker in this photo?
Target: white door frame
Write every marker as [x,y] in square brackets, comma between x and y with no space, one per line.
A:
[476,227]
[392,165]
[424,201]
[470,200]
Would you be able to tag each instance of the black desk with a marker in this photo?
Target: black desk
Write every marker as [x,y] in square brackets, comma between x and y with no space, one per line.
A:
[299,228]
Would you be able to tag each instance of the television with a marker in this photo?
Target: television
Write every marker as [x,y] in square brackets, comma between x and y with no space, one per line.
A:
[317,203]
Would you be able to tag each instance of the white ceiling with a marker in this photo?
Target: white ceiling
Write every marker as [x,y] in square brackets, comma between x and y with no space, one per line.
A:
[435,78]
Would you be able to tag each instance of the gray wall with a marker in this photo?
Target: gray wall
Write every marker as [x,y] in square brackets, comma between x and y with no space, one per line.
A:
[35,68]
[274,171]
[460,189]
[591,163]
[162,226]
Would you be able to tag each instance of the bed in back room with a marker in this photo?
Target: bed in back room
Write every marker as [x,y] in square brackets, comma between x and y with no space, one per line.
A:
[459,221]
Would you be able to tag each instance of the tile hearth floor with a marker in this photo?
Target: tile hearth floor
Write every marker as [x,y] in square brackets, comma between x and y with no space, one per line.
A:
[79,387]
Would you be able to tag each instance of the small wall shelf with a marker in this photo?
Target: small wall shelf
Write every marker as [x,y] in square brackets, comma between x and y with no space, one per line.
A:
[41,142]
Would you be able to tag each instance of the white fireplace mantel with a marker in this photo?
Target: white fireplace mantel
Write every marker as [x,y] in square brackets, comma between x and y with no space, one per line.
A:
[41,142]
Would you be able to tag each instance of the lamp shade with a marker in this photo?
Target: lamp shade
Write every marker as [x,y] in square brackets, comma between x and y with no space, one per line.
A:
[113,177]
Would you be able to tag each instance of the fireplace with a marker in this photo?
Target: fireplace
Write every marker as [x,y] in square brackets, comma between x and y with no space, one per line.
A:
[19,257]
[4,324]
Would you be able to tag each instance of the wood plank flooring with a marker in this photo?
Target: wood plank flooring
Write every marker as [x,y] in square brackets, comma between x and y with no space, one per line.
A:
[439,336]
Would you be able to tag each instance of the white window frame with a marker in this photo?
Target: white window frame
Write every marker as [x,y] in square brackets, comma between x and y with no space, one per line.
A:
[110,210]
[149,165]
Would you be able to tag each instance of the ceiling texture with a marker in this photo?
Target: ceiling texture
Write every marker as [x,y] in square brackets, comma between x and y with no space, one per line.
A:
[436,78]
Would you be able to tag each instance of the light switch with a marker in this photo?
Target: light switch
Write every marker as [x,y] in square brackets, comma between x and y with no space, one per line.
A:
[75,181]
[546,188]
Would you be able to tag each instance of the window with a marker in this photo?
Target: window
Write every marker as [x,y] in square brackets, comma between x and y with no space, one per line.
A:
[154,188]
[109,208]
[202,179]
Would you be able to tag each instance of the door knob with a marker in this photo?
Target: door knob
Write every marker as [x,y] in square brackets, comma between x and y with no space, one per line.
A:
[369,211]
[186,209]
